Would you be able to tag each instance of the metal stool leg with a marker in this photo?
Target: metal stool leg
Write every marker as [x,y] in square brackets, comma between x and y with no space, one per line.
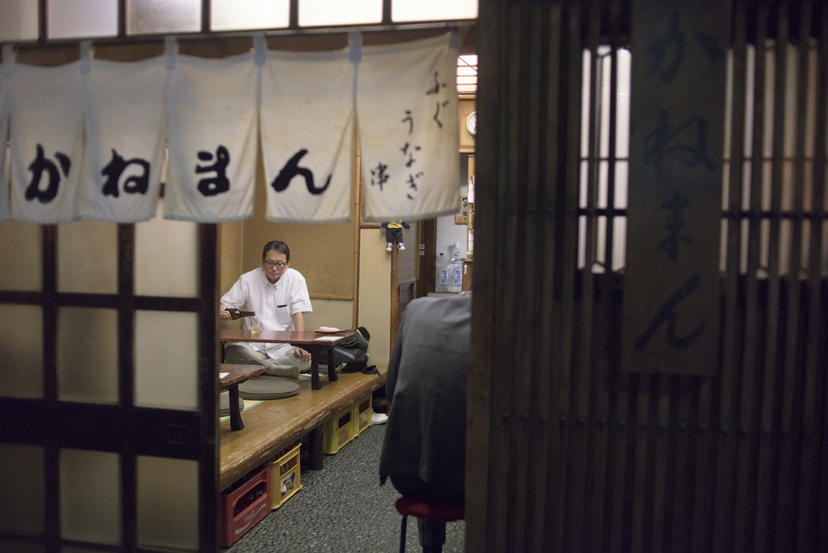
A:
[432,535]
[402,534]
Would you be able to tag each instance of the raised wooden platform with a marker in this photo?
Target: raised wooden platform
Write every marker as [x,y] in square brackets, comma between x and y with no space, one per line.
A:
[275,424]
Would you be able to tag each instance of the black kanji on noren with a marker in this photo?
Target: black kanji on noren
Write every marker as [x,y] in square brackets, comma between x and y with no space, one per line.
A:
[378,175]
[37,167]
[291,169]
[412,183]
[409,150]
[410,120]
[135,184]
[219,183]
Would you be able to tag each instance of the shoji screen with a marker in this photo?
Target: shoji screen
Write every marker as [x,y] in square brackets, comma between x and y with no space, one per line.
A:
[107,334]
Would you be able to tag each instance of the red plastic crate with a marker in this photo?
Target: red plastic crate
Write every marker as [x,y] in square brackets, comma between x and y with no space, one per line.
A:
[247,502]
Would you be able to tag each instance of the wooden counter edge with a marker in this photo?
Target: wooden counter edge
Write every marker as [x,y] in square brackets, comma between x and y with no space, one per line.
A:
[229,473]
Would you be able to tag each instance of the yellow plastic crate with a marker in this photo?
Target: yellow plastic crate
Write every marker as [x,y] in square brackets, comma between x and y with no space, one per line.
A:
[362,414]
[285,476]
[338,431]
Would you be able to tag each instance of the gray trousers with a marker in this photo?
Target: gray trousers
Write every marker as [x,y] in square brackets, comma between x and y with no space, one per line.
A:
[287,366]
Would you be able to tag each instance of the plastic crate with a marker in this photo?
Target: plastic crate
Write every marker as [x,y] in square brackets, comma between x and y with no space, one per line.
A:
[244,504]
[362,414]
[338,431]
[285,476]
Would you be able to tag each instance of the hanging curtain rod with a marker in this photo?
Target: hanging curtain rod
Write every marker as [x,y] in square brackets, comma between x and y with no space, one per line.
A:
[462,26]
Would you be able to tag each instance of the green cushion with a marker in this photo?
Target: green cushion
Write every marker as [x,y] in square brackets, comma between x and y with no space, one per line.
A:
[268,387]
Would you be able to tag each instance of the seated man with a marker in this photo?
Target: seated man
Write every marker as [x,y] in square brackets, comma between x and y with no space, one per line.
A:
[278,295]
[424,450]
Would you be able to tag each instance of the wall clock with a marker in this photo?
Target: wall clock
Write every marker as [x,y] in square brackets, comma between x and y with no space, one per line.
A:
[471,123]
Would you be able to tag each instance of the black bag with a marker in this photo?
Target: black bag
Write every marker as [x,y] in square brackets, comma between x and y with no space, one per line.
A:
[354,352]
[355,359]
[360,339]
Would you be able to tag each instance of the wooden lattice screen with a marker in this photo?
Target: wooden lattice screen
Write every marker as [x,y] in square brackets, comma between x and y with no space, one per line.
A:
[567,452]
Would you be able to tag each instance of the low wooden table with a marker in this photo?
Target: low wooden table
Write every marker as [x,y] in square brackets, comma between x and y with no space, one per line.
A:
[313,342]
[238,374]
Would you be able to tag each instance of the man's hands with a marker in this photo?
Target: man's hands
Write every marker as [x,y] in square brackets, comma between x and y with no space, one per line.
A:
[224,315]
[304,355]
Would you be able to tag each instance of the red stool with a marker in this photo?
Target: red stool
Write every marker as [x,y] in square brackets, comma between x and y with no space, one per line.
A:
[437,513]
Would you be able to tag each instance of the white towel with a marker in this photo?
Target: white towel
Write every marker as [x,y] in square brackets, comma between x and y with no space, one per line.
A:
[46,142]
[125,124]
[307,136]
[212,136]
[407,119]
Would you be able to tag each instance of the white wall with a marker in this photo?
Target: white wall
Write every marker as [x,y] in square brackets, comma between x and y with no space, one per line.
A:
[449,233]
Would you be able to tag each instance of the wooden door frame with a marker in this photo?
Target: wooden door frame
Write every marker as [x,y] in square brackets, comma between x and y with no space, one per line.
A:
[426,279]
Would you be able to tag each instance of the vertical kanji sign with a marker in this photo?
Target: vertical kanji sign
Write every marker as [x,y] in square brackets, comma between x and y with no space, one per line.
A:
[671,285]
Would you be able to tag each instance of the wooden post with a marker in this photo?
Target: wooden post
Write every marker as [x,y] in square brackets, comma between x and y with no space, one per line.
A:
[395,294]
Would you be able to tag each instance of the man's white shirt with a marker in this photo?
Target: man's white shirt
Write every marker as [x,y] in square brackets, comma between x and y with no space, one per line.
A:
[274,304]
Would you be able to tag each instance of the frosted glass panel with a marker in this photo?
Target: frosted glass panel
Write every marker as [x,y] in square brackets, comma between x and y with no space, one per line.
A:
[163,16]
[87,360]
[18,20]
[166,258]
[90,496]
[168,503]
[429,10]
[336,12]
[22,489]
[82,18]
[249,14]
[21,341]
[88,257]
[21,255]
[166,360]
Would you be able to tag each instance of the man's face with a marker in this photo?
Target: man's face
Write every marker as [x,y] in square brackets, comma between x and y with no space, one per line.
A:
[274,265]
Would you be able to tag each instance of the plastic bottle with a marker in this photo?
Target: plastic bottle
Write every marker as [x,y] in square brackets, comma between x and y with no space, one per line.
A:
[442,281]
[456,278]
[452,268]
[458,275]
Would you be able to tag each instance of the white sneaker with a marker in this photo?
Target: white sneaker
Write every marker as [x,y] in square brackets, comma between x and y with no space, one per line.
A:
[378,418]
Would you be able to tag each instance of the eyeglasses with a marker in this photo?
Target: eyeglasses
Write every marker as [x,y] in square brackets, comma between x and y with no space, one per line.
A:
[277,264]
